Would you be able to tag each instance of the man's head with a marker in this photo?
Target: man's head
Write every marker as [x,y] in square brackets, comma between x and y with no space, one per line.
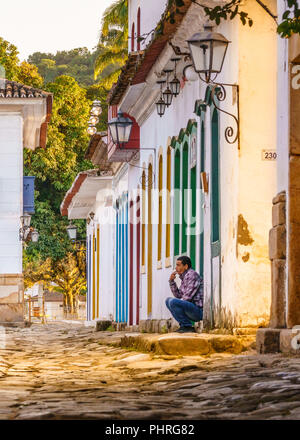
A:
[183,264]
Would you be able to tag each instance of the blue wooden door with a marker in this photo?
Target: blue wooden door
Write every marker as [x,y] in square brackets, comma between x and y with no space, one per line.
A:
[122,259]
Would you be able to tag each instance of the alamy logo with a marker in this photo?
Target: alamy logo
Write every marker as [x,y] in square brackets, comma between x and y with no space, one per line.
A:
[2,338]
[295,342]
[296,78]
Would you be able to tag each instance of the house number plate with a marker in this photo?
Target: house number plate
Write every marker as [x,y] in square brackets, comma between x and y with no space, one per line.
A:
[269,155]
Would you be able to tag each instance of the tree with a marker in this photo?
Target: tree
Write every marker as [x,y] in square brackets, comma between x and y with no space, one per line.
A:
[66,276]
[9,60]
[28,74]
[78,63]
[56,167]
[113,42]
[12,69]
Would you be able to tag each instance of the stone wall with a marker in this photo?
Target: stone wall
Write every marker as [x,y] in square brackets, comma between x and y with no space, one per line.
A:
[277,253]
[11,298]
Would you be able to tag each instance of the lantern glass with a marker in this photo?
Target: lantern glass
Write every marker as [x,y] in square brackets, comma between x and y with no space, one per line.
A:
[35,236]
[120,129]
[168,96]
[96,111]
[175,87]
[208,50]
[72,232]
[91,130]
[93,120]
[26,220]
[161,107]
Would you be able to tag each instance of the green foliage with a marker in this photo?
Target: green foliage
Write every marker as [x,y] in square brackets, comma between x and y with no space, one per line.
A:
[290,20]
[113,43]
[28,74]
[78,63]
[13,70]
[56,167]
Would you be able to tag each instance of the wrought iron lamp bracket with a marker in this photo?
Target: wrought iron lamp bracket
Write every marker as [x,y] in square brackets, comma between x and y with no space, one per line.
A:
[218,93]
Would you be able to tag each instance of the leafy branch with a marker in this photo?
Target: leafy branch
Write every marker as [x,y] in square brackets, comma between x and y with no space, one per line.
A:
[290,20]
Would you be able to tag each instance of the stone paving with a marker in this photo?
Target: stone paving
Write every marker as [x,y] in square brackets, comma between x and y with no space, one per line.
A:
[60,371]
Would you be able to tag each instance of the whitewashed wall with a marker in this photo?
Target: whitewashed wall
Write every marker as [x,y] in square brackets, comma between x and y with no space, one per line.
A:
[11,190]
[247,182]
[151,12]
[282,107]
[155,133]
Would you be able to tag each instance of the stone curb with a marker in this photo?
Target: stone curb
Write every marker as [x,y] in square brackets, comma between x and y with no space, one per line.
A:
[188,345]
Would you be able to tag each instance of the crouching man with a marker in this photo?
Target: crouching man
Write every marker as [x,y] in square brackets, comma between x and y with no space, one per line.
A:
[187,306]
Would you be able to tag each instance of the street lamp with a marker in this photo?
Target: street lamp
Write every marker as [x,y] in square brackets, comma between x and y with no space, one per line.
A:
[91,130]
[35,236]
[120,129]
[175,83]
[96,109]
[93,120]
[26,220]
[72,231]
[168,95]
[208,50]
[26,232]
[160,104]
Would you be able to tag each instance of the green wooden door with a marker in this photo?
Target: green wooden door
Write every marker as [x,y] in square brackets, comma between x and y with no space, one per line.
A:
[215,217]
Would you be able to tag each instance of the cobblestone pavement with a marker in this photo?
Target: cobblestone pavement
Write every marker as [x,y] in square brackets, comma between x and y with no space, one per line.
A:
[59,371]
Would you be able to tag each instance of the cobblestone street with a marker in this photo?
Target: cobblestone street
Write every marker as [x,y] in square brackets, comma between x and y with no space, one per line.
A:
[59,371]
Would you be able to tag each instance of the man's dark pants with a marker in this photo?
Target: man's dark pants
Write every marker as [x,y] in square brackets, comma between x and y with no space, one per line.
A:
[184,311]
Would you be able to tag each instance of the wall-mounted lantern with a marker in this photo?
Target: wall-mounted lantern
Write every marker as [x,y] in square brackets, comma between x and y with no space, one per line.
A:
[35,236]
[160,104]
[175,83]
[27,233]
[167,94]
[120,129]
[72,232]
[208,50]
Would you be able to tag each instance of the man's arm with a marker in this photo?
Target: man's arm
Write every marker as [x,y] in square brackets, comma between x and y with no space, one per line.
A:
[173,286]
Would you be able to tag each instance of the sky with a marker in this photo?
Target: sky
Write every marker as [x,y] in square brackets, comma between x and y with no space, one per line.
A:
[51,25]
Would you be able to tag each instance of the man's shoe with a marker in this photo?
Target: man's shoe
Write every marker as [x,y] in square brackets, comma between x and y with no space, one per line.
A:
[186,330]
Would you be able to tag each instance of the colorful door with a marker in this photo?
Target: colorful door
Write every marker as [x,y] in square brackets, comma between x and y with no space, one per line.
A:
[202,200]
[193,195]
[138,256]
[122,259]
[149,250]
[134,261]
[215,217]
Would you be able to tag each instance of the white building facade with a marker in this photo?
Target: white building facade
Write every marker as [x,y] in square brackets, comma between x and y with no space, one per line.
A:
[186,184]
[24,116]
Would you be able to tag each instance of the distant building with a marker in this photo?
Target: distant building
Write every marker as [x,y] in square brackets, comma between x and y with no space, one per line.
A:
[54,306]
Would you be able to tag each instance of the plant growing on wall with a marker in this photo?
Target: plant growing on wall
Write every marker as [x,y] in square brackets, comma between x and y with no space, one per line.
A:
[289,25]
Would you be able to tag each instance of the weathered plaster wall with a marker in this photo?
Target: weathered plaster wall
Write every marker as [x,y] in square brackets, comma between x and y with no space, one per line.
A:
[257,177]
